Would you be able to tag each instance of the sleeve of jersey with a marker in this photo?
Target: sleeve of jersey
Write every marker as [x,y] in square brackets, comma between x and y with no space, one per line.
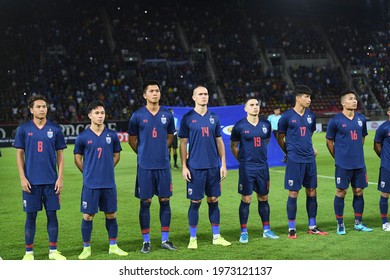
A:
[218,130]
[78,147]
[60,140]
[379,135]
[117,143]
[133,125]
[330,134]
[234,135]
[183,130]
[282,124]
[269,128]
[19,138]
[314,124]
[171,126]
[365,133]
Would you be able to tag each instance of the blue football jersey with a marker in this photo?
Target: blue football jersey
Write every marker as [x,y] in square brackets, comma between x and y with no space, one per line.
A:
[252,142]
[298,130]
[98,157]
[152,133]
[382,136]
[201,132]
[348,140]
[40,146]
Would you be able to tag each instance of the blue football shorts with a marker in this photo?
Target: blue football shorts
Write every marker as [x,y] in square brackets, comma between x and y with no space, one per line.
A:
[356,177]
[204,182]
[94,199]
[150,182]
[300,174]
[253,179]
[41,195]
[384,180]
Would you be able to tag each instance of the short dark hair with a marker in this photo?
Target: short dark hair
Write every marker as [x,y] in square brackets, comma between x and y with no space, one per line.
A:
[347,91]
[302,89]
[150,83]
[95,104]
[34,98]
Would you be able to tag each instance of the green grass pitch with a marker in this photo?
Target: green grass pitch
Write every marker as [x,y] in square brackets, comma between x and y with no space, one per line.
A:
[354,245]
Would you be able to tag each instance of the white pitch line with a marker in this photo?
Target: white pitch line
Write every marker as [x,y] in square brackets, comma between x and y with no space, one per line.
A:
[321,176]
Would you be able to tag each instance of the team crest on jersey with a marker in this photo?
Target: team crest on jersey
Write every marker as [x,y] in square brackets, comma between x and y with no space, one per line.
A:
[163,119]
[50,134]
[108,139]
[212,121]
[24,203]
[338,180]
[189,191]
[360,123]
[265,130]
[290,182]
[309,120]
[240,187]
[383,184]
[84,205]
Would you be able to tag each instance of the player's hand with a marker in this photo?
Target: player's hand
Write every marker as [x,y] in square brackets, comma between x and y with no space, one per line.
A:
[186,174]
[223,173]
[58,186]
[315,152]
[26,187]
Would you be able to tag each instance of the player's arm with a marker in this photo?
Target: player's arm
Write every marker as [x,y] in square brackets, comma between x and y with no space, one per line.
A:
[330,146]
[281,142]
[378,148]
[170,139]
[234,148]
[222,156]
[117,157]
[78,161]
[20,163]
[183,158]
[133,142]
[60,165]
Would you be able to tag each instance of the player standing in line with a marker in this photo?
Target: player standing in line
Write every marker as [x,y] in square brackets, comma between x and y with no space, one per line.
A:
[345,139]
[96,153]
[174,144]
[382,149]
[248,143]
[295,130]
[39,147]
[205,166]
[151,130]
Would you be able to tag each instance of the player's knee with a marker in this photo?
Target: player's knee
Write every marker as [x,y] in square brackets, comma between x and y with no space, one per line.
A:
[212,199]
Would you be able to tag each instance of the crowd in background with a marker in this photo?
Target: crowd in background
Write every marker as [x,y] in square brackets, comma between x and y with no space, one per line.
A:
[74,53]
